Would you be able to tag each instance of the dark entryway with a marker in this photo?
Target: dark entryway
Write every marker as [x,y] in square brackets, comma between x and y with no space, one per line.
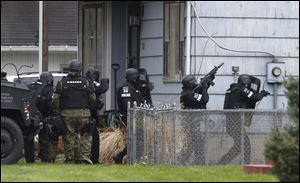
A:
[134,24]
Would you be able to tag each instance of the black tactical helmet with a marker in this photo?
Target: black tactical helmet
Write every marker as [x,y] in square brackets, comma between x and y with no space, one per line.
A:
[46,77]
[244,79]
[3,75]
[189,81]
[91,72]
[75,65]
[132,74]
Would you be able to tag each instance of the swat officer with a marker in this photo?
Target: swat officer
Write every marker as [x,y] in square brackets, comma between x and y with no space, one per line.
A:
[241,95]
[3,76]
[145,86]
[193,99]
[100,88]
[190,98]
[32,130]
[43,103]
[73,98]
[128,92]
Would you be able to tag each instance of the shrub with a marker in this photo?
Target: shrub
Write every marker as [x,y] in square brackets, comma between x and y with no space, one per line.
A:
[282,147]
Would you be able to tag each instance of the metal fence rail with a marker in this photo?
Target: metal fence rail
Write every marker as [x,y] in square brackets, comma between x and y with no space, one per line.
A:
[199,137]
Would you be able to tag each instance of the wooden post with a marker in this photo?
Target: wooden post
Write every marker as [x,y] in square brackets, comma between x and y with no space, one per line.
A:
[45,36]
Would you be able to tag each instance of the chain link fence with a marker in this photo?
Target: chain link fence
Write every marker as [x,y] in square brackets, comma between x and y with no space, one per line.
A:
[200,137]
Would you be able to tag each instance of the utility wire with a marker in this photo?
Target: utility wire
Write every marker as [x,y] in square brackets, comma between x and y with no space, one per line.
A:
[198,74]
[222,47]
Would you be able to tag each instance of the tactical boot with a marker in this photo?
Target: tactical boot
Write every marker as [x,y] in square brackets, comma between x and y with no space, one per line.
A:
[118,159]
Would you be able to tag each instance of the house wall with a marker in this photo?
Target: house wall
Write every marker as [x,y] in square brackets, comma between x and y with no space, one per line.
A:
[242,25]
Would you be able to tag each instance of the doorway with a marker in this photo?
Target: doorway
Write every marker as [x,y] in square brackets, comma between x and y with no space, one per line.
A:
[134,29]
[92,39]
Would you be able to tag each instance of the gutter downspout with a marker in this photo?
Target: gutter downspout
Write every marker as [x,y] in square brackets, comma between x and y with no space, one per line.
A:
[275,90]
[188,39]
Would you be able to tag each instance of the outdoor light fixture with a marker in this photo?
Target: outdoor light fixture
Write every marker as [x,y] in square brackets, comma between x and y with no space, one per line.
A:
[235,69]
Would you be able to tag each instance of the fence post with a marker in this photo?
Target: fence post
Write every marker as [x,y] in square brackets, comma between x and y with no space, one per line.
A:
[242,137]
[134,132]
[145,136]
[129,134]
[164,122]
[206,137]
[174,136]
[154,139]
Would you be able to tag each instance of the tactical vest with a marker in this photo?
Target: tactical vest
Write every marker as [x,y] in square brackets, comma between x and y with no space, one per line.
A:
[234,99]
[36,89]
[75,93]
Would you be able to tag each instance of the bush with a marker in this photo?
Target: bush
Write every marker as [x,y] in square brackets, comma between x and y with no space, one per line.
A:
[282,147]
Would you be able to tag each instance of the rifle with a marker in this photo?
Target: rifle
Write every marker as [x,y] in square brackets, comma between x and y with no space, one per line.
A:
[208,78]
[55,125]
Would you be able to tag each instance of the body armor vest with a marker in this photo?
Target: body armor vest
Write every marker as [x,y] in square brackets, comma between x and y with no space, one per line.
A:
[75,93]
[234,98]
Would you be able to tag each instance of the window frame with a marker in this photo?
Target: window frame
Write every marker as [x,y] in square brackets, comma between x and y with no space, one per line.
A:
[176,74]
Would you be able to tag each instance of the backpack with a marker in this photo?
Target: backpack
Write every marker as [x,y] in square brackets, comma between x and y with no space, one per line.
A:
[37,99]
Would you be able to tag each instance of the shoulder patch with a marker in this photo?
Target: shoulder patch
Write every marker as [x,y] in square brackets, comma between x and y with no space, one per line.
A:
[125,89]
[246,90]
[197,96]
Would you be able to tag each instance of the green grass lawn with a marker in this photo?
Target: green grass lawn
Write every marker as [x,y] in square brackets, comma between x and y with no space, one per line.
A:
[105,172]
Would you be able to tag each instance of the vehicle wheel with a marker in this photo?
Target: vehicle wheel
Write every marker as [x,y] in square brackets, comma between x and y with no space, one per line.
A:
[12,141]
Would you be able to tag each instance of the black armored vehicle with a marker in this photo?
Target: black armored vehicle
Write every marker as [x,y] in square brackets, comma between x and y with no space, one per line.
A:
[17,116]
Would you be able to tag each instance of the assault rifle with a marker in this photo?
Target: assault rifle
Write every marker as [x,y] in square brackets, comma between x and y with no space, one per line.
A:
[208,78]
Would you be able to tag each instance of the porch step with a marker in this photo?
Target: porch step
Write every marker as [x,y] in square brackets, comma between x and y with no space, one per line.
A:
[263,168]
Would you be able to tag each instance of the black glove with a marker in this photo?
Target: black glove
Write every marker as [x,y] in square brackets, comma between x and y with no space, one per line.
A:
[59,126]
[265,93]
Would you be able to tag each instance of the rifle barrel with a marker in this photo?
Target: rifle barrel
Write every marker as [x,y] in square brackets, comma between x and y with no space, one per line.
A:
[221,65]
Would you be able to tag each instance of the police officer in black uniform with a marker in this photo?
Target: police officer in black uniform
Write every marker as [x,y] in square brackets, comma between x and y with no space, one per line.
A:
[44,104]
[241,95]
[128,92]
[145,86]
[3,76]
[100,88]
[193,98]
[190,98]
[41,99]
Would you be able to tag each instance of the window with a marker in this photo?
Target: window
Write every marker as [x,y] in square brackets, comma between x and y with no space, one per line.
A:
[173,40]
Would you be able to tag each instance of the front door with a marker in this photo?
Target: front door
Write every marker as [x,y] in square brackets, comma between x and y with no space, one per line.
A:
[92,42]
[92,35]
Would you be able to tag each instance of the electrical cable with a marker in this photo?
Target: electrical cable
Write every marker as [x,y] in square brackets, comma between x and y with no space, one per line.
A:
[224,48]
[198,74]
